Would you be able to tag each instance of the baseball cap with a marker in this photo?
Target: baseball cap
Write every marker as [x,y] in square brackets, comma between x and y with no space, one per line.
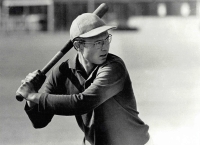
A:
[88,25]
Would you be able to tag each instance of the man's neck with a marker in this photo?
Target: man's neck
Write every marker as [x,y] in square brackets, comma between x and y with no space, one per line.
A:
[86,65]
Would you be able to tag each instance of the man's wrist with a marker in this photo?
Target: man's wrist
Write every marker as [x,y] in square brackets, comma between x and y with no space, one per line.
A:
[34,97]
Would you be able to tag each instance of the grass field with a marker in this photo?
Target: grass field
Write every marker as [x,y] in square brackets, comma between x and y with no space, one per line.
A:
[164,65]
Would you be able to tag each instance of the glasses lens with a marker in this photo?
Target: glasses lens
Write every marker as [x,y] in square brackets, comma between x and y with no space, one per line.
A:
[99,44]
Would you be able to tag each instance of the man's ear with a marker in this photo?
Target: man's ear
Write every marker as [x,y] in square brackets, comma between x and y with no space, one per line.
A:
[76,45]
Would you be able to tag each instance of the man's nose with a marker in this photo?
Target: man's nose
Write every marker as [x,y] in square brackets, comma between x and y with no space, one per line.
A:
[105,47]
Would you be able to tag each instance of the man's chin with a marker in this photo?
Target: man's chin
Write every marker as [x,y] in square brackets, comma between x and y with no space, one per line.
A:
[101,61]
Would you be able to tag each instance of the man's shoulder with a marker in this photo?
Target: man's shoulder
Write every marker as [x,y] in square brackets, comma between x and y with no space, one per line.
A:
[114,59]
[114,68]
[114,63]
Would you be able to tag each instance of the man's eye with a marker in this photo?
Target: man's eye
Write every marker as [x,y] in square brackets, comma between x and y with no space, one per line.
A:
[98,42]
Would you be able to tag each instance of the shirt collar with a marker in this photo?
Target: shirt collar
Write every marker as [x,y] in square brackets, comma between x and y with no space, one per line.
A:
[76,65]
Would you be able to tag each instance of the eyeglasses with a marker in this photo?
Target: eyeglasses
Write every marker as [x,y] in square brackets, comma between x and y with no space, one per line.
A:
[99,44]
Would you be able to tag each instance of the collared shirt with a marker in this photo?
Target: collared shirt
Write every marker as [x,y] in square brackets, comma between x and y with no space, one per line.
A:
[103,102]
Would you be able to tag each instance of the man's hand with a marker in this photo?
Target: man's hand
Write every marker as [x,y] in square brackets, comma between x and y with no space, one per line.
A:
[36,78]
[25,89]
[31,84]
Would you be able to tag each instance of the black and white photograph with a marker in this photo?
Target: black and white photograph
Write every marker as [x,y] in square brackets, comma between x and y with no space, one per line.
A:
[100,72]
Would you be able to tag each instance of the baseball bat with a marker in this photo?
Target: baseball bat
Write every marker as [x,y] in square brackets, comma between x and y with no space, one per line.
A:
[100,11]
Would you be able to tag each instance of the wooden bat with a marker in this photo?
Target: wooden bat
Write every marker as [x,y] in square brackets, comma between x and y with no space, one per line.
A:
[100,11]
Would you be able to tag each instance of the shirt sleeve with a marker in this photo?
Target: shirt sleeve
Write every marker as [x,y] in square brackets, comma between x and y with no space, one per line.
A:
[109,81]
[37,118]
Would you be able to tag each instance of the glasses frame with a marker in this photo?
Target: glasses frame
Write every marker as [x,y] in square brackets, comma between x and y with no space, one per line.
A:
[99,42]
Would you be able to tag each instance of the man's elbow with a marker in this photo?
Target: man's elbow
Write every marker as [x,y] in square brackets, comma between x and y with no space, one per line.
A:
[39,126]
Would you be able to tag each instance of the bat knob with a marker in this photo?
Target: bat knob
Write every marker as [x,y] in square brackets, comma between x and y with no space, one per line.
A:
[19,97]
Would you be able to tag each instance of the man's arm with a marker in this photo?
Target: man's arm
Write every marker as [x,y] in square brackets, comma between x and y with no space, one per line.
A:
[109,82]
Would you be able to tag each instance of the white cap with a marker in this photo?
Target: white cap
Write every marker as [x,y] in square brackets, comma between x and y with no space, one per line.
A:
[88,25]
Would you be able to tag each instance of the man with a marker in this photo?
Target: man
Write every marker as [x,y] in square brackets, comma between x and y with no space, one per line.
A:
[95,87]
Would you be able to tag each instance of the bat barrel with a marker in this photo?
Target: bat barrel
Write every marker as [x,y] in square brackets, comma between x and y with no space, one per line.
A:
[101,10]
[57,57]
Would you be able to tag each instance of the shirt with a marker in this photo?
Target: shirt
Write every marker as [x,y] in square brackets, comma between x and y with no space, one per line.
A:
[103,102]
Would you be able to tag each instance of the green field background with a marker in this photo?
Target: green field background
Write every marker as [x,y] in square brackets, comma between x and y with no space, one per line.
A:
[163,60]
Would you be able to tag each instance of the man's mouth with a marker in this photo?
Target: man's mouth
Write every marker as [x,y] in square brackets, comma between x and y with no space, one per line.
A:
[103,55]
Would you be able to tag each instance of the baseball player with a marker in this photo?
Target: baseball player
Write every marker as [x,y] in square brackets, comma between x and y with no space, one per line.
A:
[95,87]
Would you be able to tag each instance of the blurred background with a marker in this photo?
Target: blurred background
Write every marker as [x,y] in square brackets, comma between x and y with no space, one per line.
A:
[157,39]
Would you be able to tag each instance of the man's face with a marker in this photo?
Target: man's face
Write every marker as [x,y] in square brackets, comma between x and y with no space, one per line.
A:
[94,50]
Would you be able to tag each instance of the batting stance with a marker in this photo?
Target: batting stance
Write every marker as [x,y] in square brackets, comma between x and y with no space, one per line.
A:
[95,87]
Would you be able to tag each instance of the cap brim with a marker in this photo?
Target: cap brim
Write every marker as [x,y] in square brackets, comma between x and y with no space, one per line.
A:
[97,31]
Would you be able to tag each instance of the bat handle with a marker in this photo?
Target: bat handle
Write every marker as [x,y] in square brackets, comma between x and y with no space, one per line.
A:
[19,97]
